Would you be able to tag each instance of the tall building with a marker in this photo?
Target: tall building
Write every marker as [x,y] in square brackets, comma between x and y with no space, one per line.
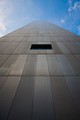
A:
[40,74]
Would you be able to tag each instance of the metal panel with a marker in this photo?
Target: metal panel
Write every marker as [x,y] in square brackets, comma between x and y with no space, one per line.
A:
[74,87]
[56,48]
[43,104]
[6,67]
[74,63]
[78,57]
[42,66]
[53,65]
[63,48]
[7,47]
[23,101]
[26,48]
[2,80]
[30,66]
[7,94]
[71,48]
[3,59]
[65,65]
[19,48]
[64,106]
[18,67]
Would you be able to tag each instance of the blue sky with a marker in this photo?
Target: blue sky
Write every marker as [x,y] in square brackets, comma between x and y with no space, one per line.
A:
[17,13]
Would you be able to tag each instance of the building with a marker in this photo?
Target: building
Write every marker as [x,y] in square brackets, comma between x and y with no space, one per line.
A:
[40,74]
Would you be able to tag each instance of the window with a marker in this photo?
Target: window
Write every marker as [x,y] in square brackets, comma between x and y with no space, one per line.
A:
[41,47]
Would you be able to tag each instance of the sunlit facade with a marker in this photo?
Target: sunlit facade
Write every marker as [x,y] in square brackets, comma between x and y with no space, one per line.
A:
[40,74]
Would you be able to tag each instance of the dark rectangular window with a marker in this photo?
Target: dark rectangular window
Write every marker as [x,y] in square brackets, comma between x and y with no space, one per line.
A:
[41,47]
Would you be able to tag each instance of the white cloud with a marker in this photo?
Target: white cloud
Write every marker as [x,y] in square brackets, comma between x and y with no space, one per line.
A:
[2,27]
[70,2]
[78,29]
[4,14]
[75,6]
[62,20]
[14,14]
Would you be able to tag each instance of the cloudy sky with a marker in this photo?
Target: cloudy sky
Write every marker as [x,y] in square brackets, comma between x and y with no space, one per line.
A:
[17,13]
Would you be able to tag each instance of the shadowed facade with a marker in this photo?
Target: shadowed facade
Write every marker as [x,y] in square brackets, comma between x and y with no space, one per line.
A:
[40,84]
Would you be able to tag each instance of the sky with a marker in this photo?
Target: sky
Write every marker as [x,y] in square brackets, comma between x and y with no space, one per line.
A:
[17,13]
